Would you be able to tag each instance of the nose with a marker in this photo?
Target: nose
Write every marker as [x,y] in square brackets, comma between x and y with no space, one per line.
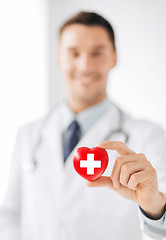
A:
[85,63]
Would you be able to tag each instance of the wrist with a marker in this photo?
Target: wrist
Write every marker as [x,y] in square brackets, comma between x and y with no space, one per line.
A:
[156,209]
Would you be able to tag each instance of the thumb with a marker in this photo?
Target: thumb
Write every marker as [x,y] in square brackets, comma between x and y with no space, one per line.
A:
[101,182]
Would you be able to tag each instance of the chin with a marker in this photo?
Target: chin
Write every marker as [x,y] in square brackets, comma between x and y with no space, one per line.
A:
[89,100]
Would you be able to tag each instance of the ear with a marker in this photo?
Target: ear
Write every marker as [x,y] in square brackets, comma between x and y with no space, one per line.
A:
[114,60]
[57,53]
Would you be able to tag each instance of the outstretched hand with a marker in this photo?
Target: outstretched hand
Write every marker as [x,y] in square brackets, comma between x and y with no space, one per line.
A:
[134,178]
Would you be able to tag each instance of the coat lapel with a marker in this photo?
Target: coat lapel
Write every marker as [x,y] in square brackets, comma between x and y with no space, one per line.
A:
[101,131]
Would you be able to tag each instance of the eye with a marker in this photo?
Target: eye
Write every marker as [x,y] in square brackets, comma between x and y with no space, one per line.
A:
[96,54]
[74,54]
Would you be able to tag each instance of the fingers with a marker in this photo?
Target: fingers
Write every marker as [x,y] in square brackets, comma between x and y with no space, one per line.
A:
[125,166]
[101,182]
[127,170]
[141,177]
[133,176]
[122,169]
[120,147]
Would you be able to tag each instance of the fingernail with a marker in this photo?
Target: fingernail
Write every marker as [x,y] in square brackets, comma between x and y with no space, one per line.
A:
[115,185]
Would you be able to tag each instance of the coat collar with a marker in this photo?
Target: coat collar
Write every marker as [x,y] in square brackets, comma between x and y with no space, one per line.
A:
[52,145]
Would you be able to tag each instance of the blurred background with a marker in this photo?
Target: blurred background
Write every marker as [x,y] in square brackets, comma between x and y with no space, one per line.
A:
[30,81]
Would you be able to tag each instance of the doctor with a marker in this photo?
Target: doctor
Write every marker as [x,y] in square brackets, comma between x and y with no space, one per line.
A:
[46,198]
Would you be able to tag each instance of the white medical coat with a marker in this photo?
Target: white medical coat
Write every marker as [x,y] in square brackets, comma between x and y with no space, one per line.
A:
[52,202]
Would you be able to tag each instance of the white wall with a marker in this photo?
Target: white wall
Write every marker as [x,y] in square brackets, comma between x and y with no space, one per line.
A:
[138,82]
[24,71]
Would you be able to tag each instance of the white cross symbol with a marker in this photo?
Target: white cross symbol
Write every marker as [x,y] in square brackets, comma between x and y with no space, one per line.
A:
[90,164]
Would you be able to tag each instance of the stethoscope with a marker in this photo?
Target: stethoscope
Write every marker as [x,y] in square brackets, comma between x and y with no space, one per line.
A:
[31,164]
[119,130]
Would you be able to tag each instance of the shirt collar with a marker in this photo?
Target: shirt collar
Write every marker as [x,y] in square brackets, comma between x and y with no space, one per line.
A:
[86,118]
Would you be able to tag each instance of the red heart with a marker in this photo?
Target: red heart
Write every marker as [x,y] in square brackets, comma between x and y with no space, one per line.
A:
[90,163]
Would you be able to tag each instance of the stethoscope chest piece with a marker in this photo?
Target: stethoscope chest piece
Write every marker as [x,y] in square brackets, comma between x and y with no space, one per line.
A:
[29,166]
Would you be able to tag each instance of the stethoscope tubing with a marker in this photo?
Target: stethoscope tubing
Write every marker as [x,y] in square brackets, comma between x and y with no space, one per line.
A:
[33,163]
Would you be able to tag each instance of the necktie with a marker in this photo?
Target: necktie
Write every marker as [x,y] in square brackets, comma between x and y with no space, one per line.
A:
[71,138]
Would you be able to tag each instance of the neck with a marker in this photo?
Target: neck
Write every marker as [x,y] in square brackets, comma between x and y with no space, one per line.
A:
[79,106]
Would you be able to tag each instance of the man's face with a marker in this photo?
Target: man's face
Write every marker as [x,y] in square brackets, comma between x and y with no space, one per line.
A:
[85,57]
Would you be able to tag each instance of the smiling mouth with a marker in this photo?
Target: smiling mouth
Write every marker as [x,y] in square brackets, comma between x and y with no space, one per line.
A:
[85,80]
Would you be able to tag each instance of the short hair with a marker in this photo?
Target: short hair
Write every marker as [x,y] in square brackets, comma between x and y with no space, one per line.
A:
[89,19]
